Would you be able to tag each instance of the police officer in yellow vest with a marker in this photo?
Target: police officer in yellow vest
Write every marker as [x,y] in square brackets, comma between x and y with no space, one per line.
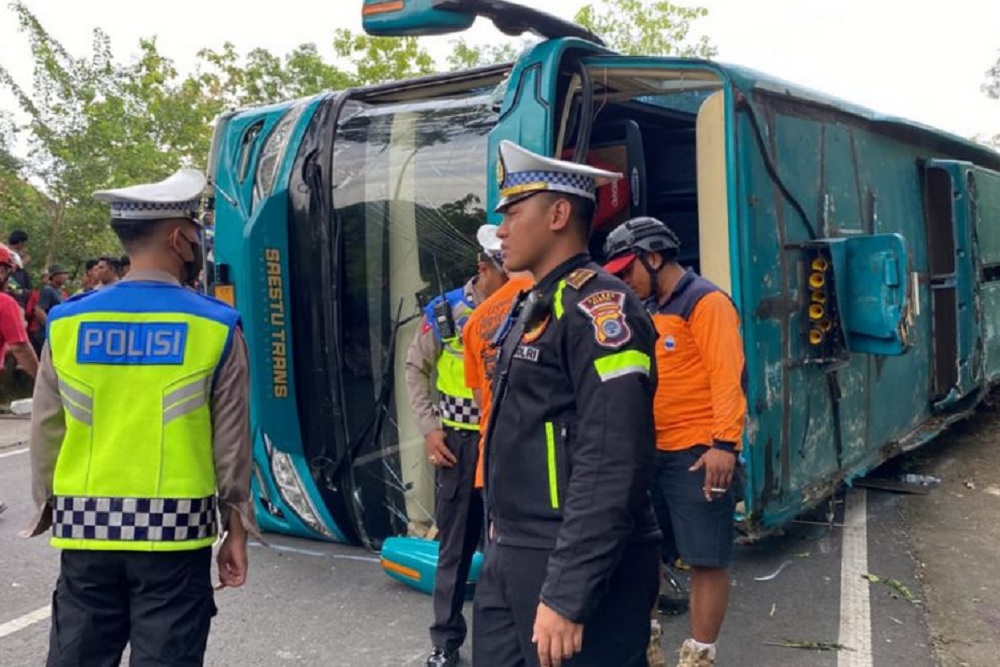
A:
[449,422]
[140,445]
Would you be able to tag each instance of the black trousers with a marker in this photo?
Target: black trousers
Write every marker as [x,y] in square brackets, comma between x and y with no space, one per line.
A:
[459,516]
[161,603]
[507,598]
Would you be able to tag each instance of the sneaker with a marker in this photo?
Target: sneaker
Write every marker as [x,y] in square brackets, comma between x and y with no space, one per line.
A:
[654,652]
[692,657]
[442,657]
[674,594]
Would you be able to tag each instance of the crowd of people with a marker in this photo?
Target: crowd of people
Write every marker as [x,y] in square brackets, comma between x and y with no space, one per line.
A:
[25,303]
[55,284]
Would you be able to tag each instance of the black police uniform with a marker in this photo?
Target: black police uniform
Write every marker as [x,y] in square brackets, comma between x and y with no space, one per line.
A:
[568,463]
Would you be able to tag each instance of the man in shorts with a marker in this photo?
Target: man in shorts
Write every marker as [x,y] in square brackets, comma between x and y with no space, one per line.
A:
[699,408]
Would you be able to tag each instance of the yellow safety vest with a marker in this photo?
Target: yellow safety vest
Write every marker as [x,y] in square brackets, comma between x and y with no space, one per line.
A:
[457,404]
[136,363]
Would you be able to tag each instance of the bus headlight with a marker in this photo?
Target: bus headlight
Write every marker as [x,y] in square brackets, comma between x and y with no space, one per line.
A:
[273,152]
[290,487]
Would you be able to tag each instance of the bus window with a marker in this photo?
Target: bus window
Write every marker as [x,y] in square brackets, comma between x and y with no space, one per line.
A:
[409,194]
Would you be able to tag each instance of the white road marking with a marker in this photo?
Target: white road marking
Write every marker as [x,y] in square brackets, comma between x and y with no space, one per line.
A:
[14,453]
[855,603]
[312,552]
[10,627]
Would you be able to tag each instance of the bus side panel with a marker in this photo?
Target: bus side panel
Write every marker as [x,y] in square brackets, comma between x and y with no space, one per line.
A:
[900,386]
[811,428]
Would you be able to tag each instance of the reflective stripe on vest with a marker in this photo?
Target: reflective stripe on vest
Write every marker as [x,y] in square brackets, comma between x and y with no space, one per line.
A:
[457,406]
[136,469]
[134,519]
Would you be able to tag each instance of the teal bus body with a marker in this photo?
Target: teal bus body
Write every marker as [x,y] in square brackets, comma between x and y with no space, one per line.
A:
[251,237]
[379,191]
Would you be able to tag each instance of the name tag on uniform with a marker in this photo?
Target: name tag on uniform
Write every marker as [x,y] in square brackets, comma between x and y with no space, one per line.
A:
[527,353]
[132,343]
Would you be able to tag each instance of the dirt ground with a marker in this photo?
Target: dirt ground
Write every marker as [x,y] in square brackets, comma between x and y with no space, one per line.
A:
[956,540]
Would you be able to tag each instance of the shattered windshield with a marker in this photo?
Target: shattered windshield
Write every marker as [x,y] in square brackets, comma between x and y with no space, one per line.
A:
[409,187]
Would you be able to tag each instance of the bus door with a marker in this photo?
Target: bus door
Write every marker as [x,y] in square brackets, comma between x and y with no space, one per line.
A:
[961,210]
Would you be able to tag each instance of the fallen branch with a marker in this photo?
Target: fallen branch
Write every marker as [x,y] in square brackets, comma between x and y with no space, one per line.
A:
[810,646]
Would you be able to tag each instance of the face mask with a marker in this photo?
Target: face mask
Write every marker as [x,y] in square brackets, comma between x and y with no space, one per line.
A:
[193,268]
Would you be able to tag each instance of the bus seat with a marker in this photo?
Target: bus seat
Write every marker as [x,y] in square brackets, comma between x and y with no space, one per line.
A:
[617,146]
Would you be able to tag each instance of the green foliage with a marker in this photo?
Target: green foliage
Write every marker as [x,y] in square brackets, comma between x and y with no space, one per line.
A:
[646,27]
[632,27]
[233,80]
[93,123]
[992,85]
[380,59]
[992,89]
[467,56]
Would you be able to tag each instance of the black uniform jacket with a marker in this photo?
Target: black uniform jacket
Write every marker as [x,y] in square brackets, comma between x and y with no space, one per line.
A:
[570,451]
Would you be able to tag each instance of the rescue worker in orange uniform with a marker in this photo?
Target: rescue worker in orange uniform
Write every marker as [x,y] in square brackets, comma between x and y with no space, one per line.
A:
[481,357]
[699,409]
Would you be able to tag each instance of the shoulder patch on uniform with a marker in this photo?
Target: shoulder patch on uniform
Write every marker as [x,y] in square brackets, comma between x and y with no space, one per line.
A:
[606,312]
[580,277]
[536,330]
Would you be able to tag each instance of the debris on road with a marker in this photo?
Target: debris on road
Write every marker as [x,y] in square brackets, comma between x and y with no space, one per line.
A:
[925,480]
[810,646]
[774,575]
[992,490]
[900,589]
[911,484]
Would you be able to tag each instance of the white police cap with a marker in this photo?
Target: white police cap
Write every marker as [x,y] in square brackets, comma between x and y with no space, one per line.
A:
[487,237]
[177,196]
[522,173]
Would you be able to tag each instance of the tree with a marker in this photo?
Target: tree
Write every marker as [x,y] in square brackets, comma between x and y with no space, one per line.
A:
[646,27]
[260,77]
[381,59]
[992,89]
[93,123]
[632,27]
[467,56]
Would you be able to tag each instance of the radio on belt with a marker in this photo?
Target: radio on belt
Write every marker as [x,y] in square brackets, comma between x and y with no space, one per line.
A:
[444,319]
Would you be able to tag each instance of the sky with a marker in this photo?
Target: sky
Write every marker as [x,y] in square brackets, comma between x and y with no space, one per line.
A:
[926,65]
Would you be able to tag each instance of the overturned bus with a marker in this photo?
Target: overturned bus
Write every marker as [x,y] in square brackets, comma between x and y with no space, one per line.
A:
[863,253]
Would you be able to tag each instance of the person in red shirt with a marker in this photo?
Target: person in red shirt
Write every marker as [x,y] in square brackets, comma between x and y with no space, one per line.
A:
[13,330]
[699,408]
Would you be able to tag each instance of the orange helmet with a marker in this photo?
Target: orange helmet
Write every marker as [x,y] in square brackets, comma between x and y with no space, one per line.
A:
[9,257]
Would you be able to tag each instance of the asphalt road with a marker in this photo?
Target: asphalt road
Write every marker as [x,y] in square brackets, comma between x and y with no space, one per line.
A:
[308,603]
